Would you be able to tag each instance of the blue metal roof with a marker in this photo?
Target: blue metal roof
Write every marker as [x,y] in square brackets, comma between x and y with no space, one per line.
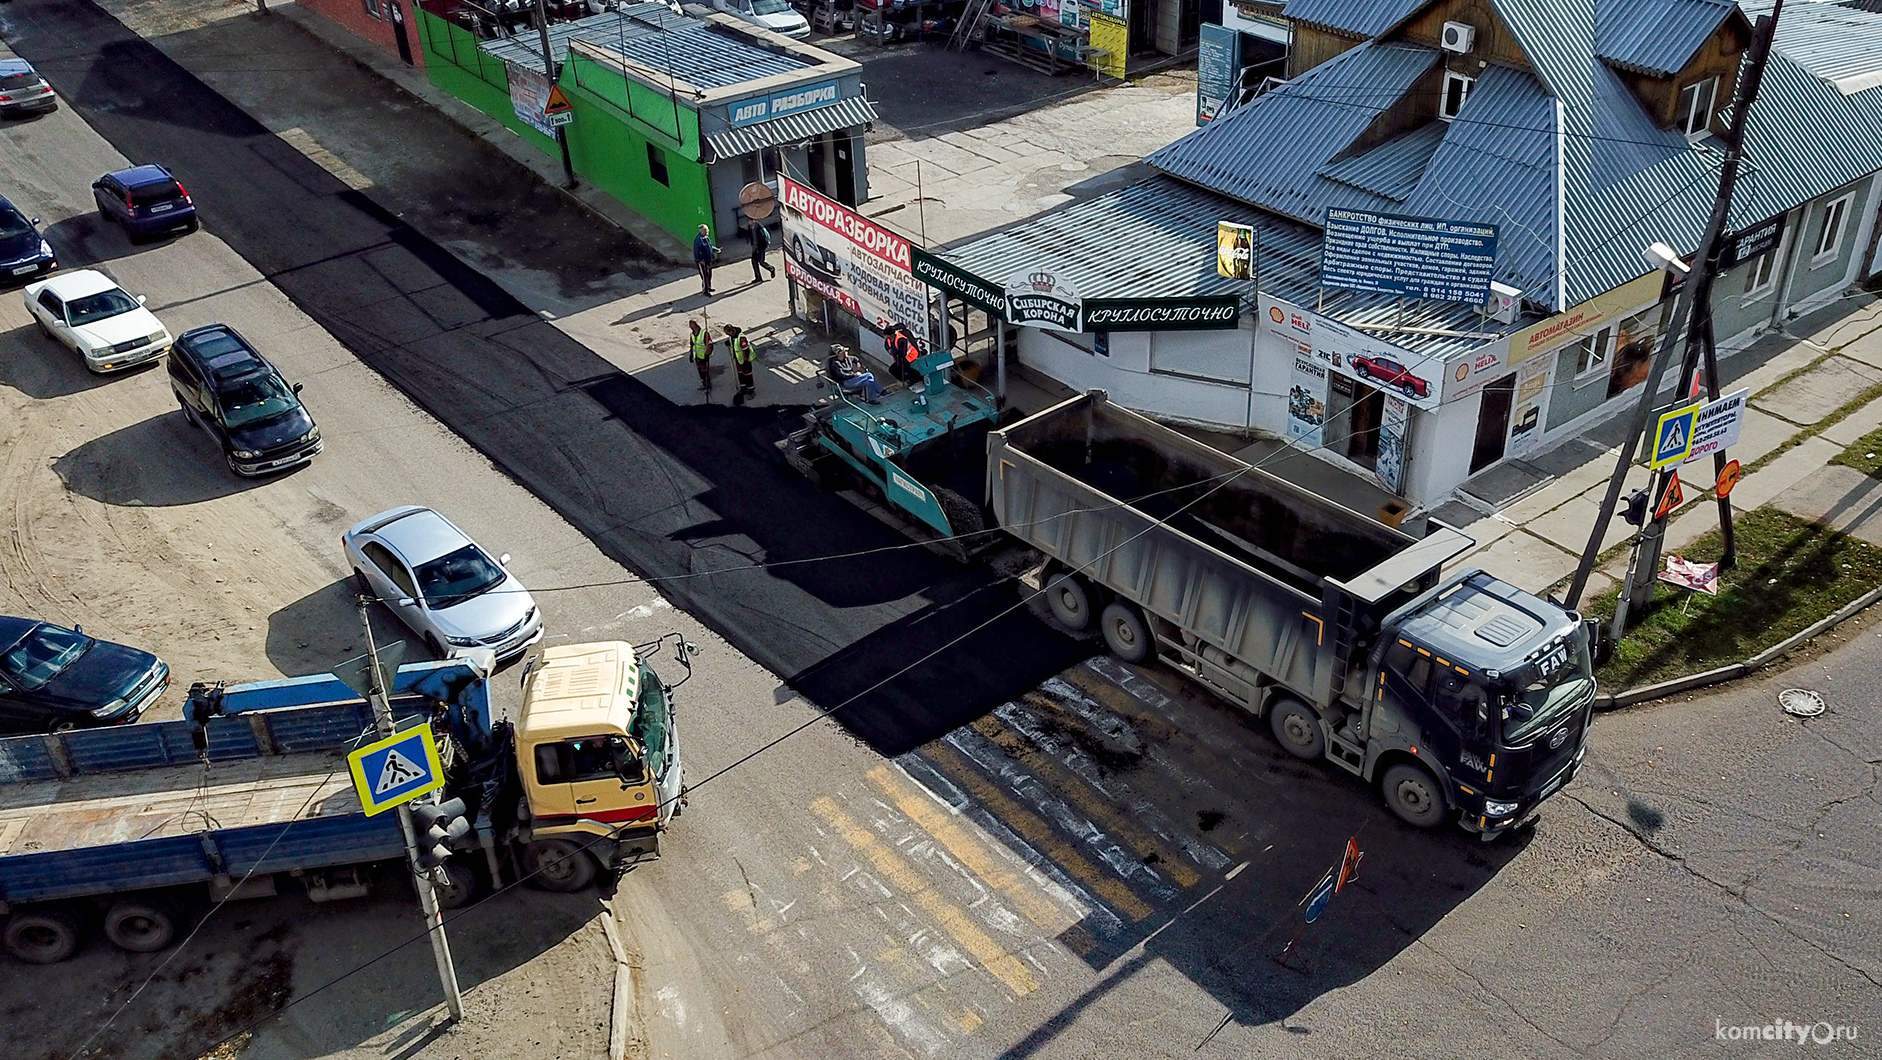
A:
[1363,18]
[654,37]
[1841,44]
[1391,169]
[1656,37]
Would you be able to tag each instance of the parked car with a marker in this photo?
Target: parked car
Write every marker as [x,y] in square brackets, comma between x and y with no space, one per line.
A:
[89,312]
[144,201]
[774,15]
[1392,374]
[23,251]
[53,679]
[439,583]
[23,91]
[229,389]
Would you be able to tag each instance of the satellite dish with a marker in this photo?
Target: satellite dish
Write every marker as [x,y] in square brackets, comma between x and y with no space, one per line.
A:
[757,201]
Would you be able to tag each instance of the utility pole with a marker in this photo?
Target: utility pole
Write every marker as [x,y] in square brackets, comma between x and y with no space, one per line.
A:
[553,71]
[380,697]
[1643,569]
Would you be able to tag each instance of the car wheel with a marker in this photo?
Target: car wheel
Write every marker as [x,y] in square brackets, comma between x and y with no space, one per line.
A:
[1413,795]
[1410,390]
[1297,729]
[43,329]
[1125,632]
[558,865]
[460,886]
[140,925]
[361,585]
[436,648]
[42,936]
[60,725]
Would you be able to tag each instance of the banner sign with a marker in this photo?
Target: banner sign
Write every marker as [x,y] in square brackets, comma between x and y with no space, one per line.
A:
[1393,425]
[1111,35]
[1355,354]
[1307,400]
[1039,298]
[1234,251]
[1751,242]
[1698,430]
[1218,60]
[944,275]
[1419,257]
[1200,313]
[1578,320]
[794,100]
[1057,307]
[529,98]
[861,266]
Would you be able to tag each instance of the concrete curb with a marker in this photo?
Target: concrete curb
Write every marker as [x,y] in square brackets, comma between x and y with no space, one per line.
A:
[625,1012]
[1737,670]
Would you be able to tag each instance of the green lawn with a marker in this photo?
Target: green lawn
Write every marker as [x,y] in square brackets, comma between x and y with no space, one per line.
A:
[1790,573]
[1865,455]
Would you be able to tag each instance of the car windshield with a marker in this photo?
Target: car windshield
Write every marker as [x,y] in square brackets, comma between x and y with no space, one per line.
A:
[770,7]
[98,306]
[251,400]
[12,225]
[1545,700]
[41,654]
[653,720]
[455,578]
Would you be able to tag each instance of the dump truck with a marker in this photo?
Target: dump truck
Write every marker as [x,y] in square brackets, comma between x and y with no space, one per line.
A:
[1461,696]
[133,828]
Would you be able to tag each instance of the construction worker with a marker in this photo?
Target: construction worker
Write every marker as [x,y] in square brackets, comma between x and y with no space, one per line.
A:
[740,346]
[902,353]
[701,342]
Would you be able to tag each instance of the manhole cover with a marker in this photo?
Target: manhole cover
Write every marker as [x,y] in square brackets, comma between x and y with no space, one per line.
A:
[1801,703]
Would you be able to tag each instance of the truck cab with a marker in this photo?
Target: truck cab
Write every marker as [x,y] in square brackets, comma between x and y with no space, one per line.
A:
[598,757]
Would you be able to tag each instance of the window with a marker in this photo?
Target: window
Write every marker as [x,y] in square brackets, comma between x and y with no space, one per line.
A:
[51,304]
[1761,273]
[1830,236]
[1695,107]
[374,9]
[1591,353]
[657,163]
[1456,91]
[389,565]
[581,760]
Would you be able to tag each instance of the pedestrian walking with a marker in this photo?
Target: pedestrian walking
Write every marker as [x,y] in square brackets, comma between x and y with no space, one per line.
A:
[701,342]
[704,254]
[760,244]
[741,349]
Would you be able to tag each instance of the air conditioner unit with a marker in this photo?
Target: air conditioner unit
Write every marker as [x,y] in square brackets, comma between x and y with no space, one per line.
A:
[1504,304]
[1459,37]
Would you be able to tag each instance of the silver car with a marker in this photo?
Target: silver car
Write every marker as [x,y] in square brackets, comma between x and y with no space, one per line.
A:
[436,579]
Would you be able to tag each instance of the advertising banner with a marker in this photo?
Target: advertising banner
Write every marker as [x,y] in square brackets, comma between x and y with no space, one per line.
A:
[1111,35]
[1039,298]
[1393,426]
[861,266]
[1467,374]
[1218,61]
[1530,404]
[1357,355]
[1234,251]
[1307,401]
[944,275]
[1698,430]
[1198,313]
[529,97]
[1419,257]
[1577,321]
[794,100]
[1748,243]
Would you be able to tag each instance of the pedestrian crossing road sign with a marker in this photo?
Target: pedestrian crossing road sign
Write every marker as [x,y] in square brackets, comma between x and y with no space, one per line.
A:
[396,769]
[1672,439]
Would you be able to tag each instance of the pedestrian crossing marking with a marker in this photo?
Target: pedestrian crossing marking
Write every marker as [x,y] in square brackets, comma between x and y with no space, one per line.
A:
[396,772]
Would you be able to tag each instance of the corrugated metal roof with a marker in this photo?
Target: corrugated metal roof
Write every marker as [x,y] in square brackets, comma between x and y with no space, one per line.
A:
[1656,37]
[1841,44]
[1391,169]
[1363,18]
[791,128]
[1157,239]
[654,37]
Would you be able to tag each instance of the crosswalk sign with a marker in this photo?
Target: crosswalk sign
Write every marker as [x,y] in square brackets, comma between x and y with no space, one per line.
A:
[396,769]
[1672,439]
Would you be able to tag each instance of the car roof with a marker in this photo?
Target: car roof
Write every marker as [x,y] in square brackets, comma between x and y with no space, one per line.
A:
[421,535]
[16,66]
[135,176]
[225,360]
[78,283]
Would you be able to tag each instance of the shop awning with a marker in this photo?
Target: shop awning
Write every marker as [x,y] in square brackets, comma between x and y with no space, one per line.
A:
[793,128]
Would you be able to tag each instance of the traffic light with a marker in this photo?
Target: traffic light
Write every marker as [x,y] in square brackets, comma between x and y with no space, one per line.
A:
[439,826]
[1636,511]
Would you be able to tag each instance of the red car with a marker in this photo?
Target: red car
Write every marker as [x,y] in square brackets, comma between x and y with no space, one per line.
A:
[1392,374]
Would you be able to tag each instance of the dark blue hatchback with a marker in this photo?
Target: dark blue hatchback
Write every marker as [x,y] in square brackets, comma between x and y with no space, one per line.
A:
[144,201]
[24,253]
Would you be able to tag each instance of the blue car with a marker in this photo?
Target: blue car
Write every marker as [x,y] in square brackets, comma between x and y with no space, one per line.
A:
[144,201]
[53,679]
[24,253]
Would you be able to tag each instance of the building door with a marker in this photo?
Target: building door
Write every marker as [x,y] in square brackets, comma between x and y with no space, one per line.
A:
[1493,423]
[1362,438]
[819,164]
[398,31]
[1143,26]
[845,168]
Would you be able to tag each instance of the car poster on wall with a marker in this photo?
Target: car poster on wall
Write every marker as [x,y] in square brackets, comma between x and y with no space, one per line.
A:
[1390,463]
[1356,354]
[864,268]
[1307,400]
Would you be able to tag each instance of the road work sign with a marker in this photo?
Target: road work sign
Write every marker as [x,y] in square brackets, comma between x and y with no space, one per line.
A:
[1698,430]
[396,769]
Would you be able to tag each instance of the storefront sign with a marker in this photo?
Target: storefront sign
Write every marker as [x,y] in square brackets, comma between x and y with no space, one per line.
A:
[1111,35]
[1218,59]
[1466,374]
[1570,325]
[1419,257]
[1234,250]
[944,275]
[861,266]
[1530,404]
[529,98]
[1307,400]
[1039,298]
[794,100]
[1199,313]
[1751,242]
[1357,355]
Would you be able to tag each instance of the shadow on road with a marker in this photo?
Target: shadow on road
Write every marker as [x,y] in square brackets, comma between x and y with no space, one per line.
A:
[41,368]
[155,463]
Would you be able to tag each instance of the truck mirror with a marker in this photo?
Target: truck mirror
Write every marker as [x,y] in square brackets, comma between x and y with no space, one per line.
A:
[1600,641]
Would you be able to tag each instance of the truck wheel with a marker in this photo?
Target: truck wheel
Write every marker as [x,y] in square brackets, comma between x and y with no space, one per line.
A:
[559,865]
[140,925]
[1297,728]
[42,936]
[460,886]
[1414,795]
[1070,600]
[1125,632]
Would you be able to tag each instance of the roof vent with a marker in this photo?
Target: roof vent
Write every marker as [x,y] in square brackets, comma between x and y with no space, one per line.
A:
[1502,631]
[1459,37]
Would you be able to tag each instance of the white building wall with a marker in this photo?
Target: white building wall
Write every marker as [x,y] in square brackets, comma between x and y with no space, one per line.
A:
[1440,449]
[1128,376]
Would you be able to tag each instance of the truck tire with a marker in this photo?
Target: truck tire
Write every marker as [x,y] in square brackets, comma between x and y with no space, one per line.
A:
[1126,633]
[460,887]
[141,925]
[1297,729]
[1414,795]
[1069,597]
[559,865]
[42,936]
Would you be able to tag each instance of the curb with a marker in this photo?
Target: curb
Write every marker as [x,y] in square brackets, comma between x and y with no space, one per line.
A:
[1737,670]
[625,1012]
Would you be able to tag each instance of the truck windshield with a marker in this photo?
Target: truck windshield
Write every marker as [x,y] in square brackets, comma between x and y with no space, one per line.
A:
[653,721]
[39,656]
[1546,699]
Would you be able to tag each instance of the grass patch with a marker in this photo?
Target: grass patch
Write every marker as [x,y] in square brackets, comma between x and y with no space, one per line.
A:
[1864,454]
[1790,573]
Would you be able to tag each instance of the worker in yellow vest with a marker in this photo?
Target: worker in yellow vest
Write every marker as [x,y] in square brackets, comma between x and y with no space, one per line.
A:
[702,354]
[741,349]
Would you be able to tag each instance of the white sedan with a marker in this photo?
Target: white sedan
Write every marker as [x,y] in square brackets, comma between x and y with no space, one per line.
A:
[436,579]
[87,311]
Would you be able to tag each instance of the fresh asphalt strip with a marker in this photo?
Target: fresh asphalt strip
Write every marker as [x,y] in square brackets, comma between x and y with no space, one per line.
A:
[664,489]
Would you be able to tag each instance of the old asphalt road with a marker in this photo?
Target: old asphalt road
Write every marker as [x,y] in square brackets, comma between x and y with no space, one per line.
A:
[677,493]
